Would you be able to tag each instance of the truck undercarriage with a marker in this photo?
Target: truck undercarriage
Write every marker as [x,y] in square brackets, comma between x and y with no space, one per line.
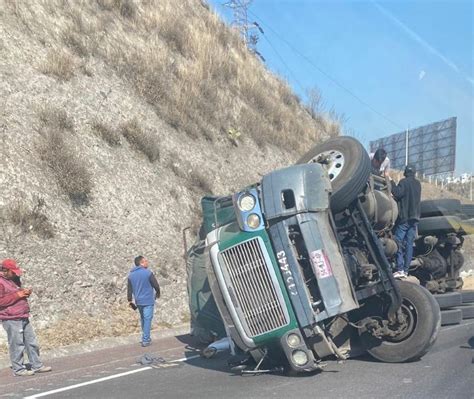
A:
[302,271]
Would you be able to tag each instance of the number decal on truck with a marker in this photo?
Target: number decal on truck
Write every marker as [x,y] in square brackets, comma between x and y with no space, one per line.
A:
[286,272]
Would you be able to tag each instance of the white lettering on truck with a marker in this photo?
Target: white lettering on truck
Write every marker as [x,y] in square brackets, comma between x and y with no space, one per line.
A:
[286,272]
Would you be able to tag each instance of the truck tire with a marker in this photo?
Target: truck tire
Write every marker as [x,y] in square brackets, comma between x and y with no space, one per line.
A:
[348,168]
[424,321]
[440,207]
[467,296]
[436,225]
[448,300]
[451,316]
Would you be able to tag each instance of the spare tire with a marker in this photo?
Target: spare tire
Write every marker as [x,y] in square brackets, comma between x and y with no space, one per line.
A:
[348,166]
[439,225]
[440,207]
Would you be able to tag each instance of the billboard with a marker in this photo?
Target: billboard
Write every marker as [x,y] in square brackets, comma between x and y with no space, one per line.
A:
[431,148]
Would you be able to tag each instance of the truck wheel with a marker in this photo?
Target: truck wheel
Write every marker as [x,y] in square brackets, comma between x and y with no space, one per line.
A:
[348,167]
[423,321]
[451,316]
[448,300]
[439,225]
[440,207]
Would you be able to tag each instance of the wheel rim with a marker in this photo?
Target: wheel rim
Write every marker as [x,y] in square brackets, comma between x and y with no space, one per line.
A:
[332,160]
[410,313]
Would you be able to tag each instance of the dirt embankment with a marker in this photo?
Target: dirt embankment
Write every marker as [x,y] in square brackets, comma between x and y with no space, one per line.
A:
[116,117]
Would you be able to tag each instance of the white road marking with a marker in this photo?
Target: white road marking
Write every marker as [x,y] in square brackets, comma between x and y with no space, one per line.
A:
[110,377]
[185,358]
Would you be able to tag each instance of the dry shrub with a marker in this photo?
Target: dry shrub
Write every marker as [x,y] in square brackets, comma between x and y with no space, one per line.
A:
[126,8]
[76,42]
[175,33]
[60,64]
[143,141]
[147,71]
[31,220]
[53,117]
[71,175]
[107,133]
[178,169]
[67,167]
[200,182]
[79,328]
[175,194]
[191,68]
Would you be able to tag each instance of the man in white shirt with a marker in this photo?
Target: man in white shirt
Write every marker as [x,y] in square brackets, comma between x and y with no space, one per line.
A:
[380,162]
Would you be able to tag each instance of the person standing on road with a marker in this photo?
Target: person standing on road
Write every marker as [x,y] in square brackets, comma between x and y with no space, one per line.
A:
[408,195]
[14,315]
[144,287]
[379,162]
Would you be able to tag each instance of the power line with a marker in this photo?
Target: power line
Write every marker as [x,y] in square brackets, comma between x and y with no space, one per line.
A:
[284,63]
[340,85]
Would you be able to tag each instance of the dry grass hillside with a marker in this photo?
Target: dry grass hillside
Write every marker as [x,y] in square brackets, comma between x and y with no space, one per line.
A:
[116,117]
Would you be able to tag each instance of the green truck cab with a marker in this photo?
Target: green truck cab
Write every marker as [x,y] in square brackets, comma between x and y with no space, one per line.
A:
[297,278]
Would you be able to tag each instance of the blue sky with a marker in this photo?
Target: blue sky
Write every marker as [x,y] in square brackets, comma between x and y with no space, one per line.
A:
[385,65]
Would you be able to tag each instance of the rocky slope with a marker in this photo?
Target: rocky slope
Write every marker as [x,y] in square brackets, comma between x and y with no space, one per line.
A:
[116,117]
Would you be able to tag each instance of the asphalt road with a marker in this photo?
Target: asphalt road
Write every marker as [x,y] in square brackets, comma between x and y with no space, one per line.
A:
[447,371]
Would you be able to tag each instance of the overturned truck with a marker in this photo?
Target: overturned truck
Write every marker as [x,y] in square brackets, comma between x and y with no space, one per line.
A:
[297,271]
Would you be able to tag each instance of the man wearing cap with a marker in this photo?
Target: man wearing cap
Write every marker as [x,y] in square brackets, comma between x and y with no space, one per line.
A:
[14,315]
[408,195]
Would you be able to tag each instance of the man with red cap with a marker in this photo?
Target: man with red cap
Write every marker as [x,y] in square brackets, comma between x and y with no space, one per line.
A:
[14,315]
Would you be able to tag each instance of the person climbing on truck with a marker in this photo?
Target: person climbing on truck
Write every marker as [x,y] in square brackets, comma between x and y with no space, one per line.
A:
[408,195]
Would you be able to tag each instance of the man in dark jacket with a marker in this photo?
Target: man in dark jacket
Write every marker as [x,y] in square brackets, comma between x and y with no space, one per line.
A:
[14,315]
[408,195]
[143,286]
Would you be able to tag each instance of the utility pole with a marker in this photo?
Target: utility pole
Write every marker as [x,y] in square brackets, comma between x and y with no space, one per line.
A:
[248,30]
[406,145]
[470,187]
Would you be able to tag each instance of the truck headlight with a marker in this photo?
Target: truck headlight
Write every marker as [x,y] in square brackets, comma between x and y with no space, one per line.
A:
[253,220]
[300,358]
[247,202]
[293,340]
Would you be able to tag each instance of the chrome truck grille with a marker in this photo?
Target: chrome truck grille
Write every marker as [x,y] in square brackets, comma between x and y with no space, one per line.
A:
[254,288]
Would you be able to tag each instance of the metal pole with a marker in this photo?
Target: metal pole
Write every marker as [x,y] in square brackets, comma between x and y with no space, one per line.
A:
[471,186]
[406,146]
